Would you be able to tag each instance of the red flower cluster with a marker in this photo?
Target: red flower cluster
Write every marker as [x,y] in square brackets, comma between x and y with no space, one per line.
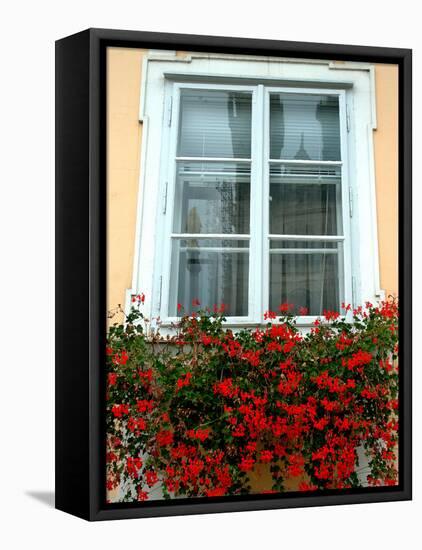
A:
[119,410]
[133,465]
[136,424]
[184,381]
[164,438]
[138,298]
[358,360]
[112,378]
[297,405]
[200,435]
[121,358]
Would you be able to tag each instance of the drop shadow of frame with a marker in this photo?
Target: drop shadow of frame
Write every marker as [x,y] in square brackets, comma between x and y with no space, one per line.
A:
[45,497]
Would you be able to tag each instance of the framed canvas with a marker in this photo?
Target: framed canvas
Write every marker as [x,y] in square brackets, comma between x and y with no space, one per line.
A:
[233,229]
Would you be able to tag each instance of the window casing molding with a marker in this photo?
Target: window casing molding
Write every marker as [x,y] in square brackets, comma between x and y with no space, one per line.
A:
[163,78]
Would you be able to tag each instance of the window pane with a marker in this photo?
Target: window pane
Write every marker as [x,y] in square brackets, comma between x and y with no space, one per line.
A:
[214,271]
[212,197]
[305,274]
[305,200]
[304,127]
[215,123]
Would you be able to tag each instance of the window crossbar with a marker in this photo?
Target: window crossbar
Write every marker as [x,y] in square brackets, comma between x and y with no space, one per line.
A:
[225,250]
[307,162]
[335,238]
[215,159]
[303,250]
[223,236]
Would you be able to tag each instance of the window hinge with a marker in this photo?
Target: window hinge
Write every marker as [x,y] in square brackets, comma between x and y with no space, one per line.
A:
[350,202]
[348,117]
[170,111]
[159,293]
[165,198]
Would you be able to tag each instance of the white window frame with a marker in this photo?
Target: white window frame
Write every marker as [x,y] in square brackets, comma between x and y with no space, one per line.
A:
[159,114]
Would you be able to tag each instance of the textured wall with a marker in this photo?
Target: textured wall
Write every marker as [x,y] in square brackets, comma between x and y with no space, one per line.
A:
[386,173]
[124,134]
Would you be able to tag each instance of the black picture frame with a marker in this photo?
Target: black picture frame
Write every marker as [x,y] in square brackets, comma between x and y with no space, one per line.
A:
[81,274]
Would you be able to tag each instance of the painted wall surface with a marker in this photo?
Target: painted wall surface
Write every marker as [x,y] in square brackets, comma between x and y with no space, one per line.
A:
[386,174]
[123,159]
[124,134]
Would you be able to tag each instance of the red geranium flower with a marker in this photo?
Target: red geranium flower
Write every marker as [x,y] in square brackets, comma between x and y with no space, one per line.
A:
[151,477]
[119,410]
[184,380]
[266,456]
[246,464]
[270,315]
[142,495]
[164,438]
[112,378]
[216,492]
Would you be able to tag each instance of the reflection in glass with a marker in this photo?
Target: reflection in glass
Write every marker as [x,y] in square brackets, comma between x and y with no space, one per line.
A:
[304,127]
[212,197]
[214,271]
[305,274]
[305,200]
[215,123]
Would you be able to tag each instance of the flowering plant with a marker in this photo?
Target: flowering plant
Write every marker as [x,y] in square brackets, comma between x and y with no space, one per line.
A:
[196,413]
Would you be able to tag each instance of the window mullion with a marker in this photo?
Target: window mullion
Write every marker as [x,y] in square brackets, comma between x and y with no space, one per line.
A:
[256,287]
[265,192]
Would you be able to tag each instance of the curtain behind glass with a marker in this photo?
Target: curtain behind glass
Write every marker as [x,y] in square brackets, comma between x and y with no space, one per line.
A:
[305,200]
[304,127]
[212,197]
[215,124]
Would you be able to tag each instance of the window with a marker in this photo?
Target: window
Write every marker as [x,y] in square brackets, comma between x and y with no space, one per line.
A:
[255,201]
[257,186]
[211,222]
[305,202]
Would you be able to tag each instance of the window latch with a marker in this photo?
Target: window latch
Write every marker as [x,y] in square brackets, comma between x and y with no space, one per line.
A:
[165,198]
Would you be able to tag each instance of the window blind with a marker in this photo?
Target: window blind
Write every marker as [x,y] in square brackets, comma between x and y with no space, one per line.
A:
[304,127]
[215,123]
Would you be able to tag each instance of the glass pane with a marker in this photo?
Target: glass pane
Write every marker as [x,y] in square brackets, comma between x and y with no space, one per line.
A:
[305,274]
[213,271]
[304,127]
[215,123]
[212,197]
[305,200]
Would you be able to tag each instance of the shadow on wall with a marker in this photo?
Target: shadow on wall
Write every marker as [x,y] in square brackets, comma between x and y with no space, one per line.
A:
[45,497]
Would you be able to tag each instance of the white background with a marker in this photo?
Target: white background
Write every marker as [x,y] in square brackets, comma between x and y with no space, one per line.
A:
[28,32]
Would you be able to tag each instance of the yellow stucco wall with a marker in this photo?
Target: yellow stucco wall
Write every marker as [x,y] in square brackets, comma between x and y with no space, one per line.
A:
[386,174]
[124,134]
